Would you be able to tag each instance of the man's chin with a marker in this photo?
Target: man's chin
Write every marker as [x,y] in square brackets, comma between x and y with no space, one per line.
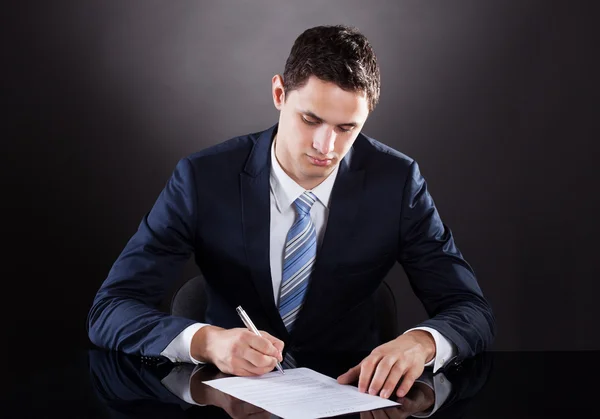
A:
[320,168]
[318,173]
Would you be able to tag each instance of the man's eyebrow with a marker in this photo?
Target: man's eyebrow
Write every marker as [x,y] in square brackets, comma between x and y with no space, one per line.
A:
[312,115]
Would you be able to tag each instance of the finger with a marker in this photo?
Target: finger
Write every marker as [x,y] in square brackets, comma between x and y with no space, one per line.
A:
[278,343]
[244,372]
[247,369]
[262,345]
[243,350]
[349,376]
[244,368]
[407,381]
[258,359]
[381,372]
[392,380]
[367,369]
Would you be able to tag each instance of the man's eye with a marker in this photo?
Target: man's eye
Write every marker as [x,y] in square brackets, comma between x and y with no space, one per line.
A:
[309,122]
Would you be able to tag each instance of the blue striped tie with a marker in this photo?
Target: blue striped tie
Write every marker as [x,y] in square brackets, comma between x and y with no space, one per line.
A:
[298,260]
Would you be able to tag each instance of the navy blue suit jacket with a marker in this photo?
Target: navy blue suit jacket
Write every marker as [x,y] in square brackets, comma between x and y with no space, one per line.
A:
[216,206]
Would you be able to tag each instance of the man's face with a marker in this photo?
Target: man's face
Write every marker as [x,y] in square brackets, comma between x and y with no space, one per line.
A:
[318,124]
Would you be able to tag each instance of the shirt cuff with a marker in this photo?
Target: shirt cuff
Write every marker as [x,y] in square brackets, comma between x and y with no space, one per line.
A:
[444,349]
[179,350]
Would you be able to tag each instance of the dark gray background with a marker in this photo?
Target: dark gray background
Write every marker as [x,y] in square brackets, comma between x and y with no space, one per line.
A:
[496,100]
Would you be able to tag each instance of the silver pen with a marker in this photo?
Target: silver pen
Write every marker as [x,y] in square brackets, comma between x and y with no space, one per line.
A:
[253,328]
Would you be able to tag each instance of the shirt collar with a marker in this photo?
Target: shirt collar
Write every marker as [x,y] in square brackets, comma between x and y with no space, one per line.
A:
[286,190]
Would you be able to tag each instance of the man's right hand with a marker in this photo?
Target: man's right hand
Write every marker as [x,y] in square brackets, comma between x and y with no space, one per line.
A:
[237,351]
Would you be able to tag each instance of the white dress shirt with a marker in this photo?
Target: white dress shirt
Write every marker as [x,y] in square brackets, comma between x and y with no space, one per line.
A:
[284,191]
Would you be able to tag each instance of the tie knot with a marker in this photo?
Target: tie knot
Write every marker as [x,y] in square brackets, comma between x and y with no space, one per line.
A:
[304,202]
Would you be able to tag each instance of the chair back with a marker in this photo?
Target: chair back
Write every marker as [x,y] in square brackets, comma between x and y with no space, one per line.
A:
[190,300]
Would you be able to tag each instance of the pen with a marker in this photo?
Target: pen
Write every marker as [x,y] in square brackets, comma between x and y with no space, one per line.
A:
[253,328]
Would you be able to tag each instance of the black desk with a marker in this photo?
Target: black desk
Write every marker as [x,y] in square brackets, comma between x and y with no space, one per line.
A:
[100,384]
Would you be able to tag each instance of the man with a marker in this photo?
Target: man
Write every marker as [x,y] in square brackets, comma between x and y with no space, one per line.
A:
[299,224]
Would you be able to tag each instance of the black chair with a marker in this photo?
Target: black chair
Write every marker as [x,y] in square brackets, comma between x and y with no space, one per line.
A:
[189,301]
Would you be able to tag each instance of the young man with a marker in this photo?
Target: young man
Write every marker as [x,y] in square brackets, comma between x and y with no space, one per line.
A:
[299,224]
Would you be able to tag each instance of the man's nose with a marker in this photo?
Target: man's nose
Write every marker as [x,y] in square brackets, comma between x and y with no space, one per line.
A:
[325,142]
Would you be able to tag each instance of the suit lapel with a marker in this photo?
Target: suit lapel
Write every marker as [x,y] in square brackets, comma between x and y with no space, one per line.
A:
[256,218]
[346,196]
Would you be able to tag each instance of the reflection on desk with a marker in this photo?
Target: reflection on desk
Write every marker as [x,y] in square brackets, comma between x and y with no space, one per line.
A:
[131,388]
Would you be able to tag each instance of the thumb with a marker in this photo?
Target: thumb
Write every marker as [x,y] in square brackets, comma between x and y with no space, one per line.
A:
[349,376]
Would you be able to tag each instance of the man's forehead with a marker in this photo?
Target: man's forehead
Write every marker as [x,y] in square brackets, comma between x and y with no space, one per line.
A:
[330,103]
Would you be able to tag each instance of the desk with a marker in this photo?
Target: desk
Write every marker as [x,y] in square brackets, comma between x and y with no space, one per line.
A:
[101,384]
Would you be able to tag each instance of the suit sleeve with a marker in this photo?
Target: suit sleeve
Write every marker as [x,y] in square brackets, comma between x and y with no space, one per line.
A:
[124,315]
[439,275]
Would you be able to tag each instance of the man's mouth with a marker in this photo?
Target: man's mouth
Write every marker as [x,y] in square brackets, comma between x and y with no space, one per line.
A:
[320,162]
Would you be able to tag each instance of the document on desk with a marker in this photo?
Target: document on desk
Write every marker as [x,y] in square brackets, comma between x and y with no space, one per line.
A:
[299,394]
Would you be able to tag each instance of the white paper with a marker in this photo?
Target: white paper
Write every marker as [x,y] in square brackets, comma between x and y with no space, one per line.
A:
[299,394]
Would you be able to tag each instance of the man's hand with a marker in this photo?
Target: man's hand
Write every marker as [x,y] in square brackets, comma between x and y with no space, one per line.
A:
[237,351]
[402,359]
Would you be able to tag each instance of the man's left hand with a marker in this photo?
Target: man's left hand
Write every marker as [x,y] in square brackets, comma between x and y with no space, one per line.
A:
[400,360]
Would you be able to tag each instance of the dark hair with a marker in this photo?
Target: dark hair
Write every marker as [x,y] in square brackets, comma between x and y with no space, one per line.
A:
[338,54]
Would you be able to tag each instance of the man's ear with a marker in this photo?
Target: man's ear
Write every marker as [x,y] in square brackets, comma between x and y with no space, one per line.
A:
[278,91]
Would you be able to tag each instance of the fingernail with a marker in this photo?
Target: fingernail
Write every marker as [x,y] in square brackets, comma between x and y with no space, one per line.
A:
[372,391]
[400,393]
[384,394]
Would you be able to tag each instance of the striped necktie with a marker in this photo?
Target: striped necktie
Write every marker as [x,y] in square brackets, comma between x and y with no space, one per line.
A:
[298,260]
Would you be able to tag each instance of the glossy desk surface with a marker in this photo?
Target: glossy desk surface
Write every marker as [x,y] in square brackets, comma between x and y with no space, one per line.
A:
[100,384]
